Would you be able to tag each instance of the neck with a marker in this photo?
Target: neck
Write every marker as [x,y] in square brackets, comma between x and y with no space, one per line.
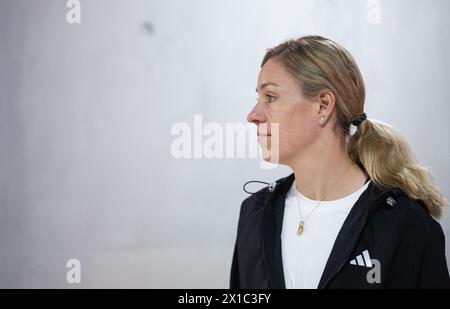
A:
[317,172]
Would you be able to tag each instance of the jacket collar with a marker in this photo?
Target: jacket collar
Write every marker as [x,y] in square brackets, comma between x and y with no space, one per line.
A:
[345,241]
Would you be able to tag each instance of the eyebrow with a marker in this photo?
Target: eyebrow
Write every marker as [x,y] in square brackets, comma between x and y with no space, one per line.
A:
[267,84]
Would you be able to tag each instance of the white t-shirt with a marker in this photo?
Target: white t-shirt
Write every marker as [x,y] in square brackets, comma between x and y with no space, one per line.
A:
[305,256]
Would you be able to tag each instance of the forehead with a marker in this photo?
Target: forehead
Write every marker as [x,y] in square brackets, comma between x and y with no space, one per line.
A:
[274,72]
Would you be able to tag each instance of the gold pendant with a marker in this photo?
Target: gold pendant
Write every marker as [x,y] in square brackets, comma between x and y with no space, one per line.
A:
[301,226]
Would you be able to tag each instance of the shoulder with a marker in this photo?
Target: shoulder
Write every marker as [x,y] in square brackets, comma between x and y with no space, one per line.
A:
[409,217]
[419,224]
[412,210]
[411,243]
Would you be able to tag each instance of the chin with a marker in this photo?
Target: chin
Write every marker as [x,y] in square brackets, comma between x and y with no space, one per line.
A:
[267,156]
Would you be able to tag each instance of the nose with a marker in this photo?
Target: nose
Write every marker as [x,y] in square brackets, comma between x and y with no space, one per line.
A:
[256,115]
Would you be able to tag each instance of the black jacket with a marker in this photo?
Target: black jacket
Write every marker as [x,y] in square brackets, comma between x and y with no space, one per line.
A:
[384,222]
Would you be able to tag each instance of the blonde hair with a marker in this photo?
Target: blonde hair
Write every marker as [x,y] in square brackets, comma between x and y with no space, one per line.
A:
[318,63]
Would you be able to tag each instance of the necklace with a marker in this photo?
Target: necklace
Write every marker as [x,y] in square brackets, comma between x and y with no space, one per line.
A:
[301,224]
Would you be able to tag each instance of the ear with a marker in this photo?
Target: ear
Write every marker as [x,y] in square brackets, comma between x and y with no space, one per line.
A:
[327,101]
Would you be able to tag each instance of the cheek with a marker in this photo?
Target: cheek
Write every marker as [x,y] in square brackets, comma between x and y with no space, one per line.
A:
[297,132]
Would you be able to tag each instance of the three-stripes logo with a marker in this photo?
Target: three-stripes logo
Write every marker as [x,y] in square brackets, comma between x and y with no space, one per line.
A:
[362,260]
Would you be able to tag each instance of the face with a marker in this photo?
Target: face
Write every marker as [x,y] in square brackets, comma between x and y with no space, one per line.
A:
[280,100]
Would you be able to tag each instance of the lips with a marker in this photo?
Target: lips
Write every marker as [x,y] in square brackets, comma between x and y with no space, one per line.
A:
[262,137]
[263,134]
[262,131]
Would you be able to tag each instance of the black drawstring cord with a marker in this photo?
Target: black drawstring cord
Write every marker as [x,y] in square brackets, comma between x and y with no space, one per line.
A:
[271,185]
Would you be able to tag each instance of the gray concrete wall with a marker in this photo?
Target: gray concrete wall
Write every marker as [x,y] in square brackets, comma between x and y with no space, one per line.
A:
[86,112]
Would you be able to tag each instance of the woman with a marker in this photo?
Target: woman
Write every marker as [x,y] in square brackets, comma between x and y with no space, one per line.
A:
[357,211]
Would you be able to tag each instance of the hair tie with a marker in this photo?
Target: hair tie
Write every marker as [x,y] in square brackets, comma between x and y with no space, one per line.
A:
[359,120]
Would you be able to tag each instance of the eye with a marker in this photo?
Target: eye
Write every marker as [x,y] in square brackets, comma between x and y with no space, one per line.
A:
[270,98]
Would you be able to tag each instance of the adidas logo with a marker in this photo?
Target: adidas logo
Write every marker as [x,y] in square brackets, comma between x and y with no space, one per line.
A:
[362,260]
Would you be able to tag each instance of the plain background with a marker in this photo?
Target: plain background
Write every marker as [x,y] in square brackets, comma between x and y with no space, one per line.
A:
[86,112]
